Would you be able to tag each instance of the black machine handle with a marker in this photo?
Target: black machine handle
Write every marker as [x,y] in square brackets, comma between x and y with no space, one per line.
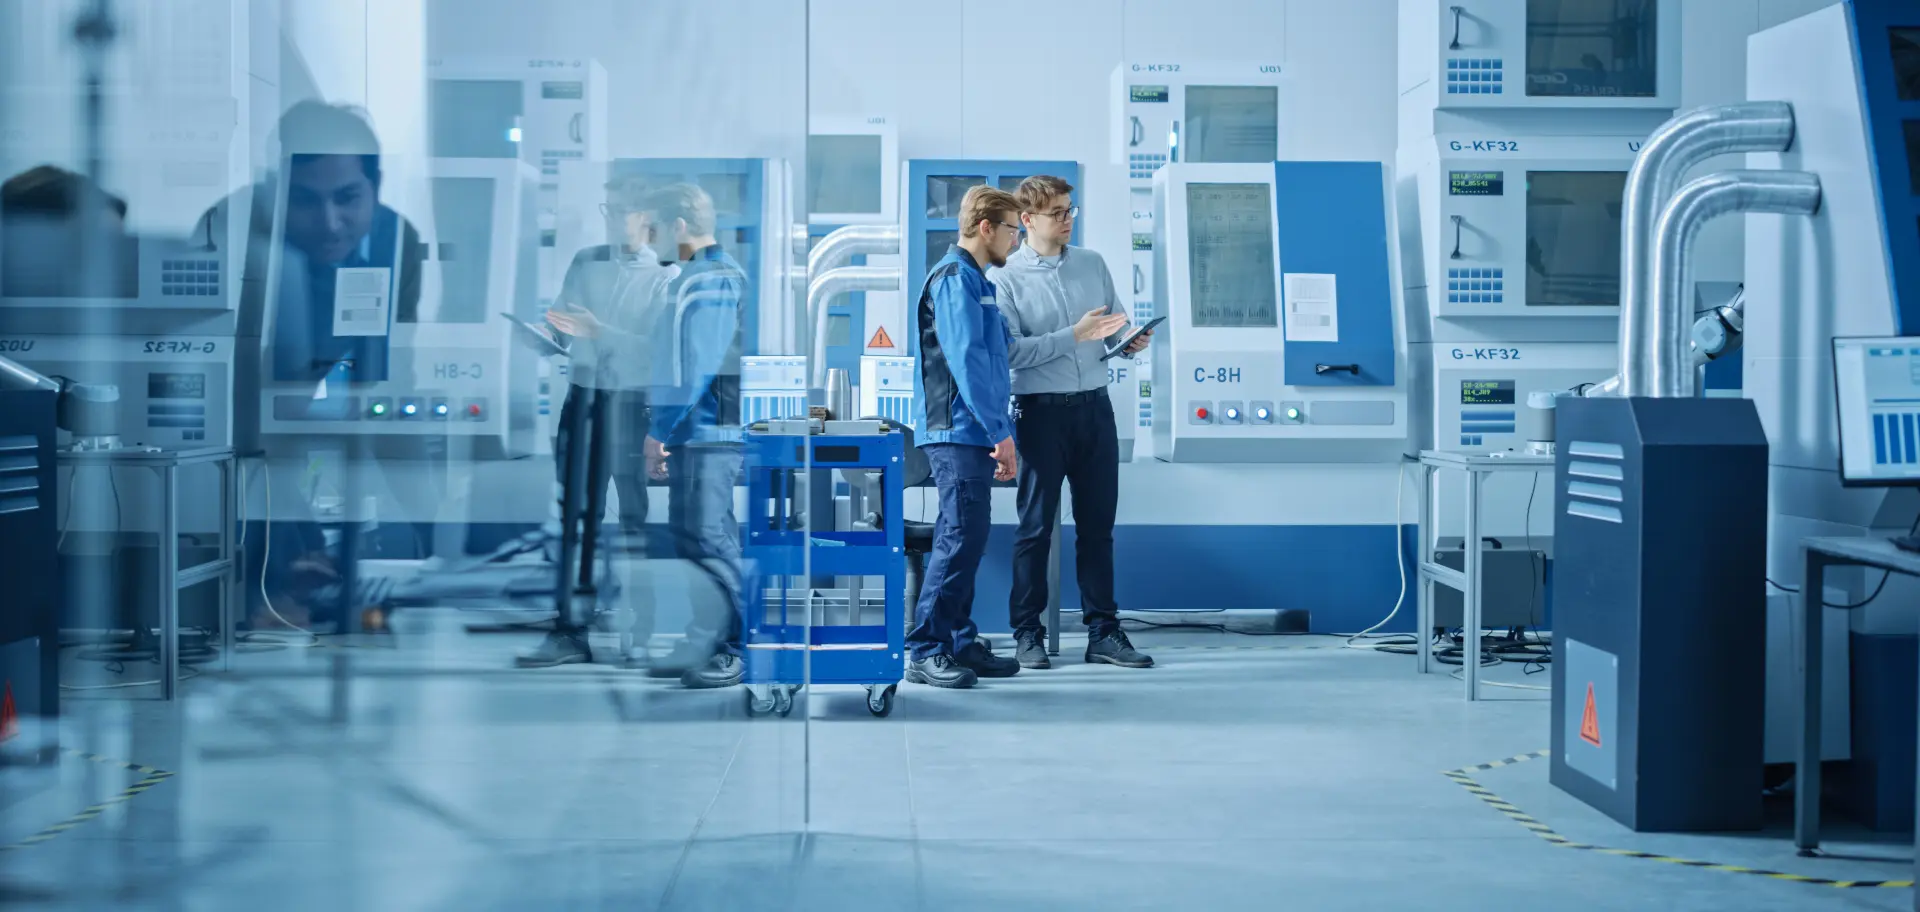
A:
[1455,44]
[1139,133]
[1353,369]
[1457,220]
[1139,279]
[1173,148]
[575,127]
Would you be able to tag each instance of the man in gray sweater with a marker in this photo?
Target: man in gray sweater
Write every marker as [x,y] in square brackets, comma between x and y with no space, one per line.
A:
[1060,305]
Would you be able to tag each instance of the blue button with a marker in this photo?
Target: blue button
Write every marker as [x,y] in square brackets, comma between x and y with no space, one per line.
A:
[1496,90]
[1497,64]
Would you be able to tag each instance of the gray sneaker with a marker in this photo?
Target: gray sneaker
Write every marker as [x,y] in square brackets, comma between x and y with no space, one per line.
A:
[1115,649]
[1031,648]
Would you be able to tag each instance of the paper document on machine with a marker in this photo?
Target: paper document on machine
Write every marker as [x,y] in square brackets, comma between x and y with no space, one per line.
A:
[360,298]
[1313,307]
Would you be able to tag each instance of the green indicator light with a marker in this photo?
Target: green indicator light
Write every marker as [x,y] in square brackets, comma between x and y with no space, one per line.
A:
[379,408]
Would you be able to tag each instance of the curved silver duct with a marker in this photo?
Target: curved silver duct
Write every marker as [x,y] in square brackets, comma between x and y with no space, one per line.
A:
[1681,143]
[835,250]
[15,376]
[1664,343]
[833,282]
[1731,318]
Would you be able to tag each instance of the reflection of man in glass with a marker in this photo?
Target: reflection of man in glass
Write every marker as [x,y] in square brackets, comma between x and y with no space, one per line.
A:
[41,228]
[694,441]
[607,304]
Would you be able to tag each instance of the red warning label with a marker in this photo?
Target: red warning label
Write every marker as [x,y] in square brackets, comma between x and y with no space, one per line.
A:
[880,339]
[9,716]
[1590,720]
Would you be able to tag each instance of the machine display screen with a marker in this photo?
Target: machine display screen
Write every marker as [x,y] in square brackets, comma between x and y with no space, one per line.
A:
[1230,242]
[463,213]
[1486,392]
[1592,48]
[41,254]
[572,90]
[1232,124]
[843,174]
[1476,183]
[475,118]
[1573,238]
[1150,94]
[1906,62]
[1877,384]
[729,193]
[176,386]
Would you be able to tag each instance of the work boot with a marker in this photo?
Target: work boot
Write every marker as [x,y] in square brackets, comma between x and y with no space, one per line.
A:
[723,670]
[1114,649]
[685,657]
[984,663]
[940,671]
[558,648]
[1030,648]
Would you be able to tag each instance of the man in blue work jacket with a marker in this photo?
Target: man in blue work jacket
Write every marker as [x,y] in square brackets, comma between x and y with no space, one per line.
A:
[961,409]
[694,437]
[1063,419]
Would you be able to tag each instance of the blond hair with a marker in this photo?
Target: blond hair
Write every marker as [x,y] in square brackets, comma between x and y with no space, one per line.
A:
[1041,189]
[682,201]
[989,203]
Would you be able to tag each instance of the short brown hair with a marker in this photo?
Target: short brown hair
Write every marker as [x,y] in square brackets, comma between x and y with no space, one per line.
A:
[1040,189]
[984,202]
[682,201]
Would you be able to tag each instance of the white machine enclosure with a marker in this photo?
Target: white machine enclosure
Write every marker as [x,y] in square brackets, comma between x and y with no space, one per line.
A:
[853,171]
[470,363]
[1835,274]
[1512,246]
[772,386]
[543,110]
[886,387]
[1223,393]
[1541,53]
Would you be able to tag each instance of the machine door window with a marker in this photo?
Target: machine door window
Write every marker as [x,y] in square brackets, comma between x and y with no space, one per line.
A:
[1573,238]
[463,215]
[843,174]
[945,191]
[1592,48]
[937,244]
[1906,62]
[476,118]
[1232,124]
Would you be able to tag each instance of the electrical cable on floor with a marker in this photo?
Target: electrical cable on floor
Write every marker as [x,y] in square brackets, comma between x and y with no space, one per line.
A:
[279,639]
[1460,674]
[1399,559]
[1884,576]
[186,674]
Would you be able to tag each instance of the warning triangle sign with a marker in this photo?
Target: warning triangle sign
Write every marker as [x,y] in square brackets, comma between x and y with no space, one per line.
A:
[1590,720]
[9,717]
[880,339]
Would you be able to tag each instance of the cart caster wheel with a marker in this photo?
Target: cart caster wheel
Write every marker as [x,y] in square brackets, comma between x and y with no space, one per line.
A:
[758,704]
[880,700]
[783,701]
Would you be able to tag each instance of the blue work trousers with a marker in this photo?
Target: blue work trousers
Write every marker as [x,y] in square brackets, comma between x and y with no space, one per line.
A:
[944,617]
[706,534]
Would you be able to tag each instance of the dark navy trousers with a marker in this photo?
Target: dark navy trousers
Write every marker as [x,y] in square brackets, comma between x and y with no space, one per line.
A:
[944,618]
[1075,442]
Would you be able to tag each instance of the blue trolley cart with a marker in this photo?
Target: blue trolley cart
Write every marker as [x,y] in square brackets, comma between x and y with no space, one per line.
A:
[869,458]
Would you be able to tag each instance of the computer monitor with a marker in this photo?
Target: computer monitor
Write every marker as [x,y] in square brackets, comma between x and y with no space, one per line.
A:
[1877,381]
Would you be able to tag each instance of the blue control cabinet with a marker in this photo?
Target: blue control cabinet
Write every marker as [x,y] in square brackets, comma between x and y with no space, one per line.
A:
[934,190]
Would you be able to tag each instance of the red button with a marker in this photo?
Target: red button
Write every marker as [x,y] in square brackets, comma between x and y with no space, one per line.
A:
[1201,414]
[473,410]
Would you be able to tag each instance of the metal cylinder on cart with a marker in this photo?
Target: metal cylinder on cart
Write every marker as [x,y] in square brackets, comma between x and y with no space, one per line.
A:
[1537,424]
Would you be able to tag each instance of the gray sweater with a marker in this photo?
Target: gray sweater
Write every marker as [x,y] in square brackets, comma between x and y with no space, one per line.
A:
[1042,298]
[623,291]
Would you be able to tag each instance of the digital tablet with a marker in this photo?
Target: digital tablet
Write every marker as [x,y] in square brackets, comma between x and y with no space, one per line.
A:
[533,335]
[1121,348]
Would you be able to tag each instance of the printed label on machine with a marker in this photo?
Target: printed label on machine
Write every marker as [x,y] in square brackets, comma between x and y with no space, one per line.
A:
[1313,307]
[360,300]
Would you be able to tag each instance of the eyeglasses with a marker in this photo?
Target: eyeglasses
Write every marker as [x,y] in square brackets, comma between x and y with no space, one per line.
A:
[1063,215]
[610,210]
[1014,228]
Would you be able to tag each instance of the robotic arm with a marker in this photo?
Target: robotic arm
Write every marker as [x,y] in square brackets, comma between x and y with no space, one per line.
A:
[84,410]
[1715,335]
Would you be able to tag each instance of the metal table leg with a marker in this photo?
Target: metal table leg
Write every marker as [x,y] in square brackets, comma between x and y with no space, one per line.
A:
[1806,781]
[1470,599]
[1053,591]
[168,578]
[1423,614]
[234,578]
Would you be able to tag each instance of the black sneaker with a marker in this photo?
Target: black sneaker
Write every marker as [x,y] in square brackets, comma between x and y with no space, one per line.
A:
[941,671]
[1030,648]
[984,663]
[684,658]
[1114,649]
[557,649]
[723,670]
